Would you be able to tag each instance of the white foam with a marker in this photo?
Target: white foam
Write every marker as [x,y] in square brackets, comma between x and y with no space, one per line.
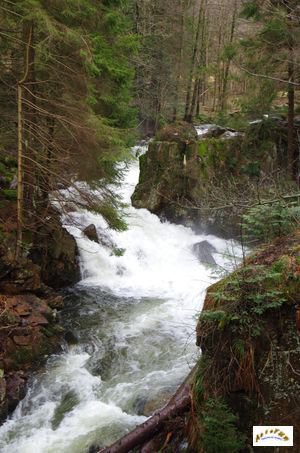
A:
[155,336]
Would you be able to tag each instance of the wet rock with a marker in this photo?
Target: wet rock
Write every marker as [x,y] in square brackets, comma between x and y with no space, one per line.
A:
[153,404]
[23,309]
[91,233]
[67,404]
[139,405]
[15,384]
[56,256]
[71,338]
[56,302]
[203,251]
[20,278]
[37,319]
[180,132]
[210,131]
[22,340]
[3,401]
[94,449]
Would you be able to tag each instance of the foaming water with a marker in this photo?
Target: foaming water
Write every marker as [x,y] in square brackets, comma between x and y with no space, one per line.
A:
[134,316]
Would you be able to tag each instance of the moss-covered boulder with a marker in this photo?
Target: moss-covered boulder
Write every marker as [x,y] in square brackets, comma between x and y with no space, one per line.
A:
[176,179]
[249,334]
[206,182]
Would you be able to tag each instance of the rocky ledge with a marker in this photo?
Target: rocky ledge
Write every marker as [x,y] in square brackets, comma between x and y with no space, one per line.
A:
[249,334]
[204,180]
[29,329]
[28,333]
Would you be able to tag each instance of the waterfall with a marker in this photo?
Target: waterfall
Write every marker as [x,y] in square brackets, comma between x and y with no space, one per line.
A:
[134,315]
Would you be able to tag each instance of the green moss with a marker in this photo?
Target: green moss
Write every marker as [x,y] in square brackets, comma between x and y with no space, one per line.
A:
[202,149]
[242,298]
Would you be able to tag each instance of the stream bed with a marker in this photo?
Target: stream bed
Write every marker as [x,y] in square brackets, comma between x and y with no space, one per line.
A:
[132,319]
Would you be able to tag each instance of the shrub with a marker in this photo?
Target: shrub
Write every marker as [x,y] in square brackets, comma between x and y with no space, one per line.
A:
[220,434]
[265,222]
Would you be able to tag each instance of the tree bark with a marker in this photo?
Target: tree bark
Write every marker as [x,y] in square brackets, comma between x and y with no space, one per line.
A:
[228,60]
[179,68]
[291,114]
[20,175]
[192,70]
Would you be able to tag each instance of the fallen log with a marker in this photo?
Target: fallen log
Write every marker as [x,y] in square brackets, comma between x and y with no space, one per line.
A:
[152,426]
[178,404]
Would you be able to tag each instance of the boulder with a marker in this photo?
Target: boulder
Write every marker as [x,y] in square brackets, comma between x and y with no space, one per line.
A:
[203,251]
[91,233]
[20,277]
[180,132]
[55,251]
[210,131]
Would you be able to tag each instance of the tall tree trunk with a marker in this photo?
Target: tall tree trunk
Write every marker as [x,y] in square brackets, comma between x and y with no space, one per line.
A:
[30,182]
[179,68]
[192,69]
[291,113]
[228,60]
[28,31]
[19,174]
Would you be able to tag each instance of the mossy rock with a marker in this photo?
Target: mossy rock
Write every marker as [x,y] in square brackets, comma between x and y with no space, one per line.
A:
[249,336]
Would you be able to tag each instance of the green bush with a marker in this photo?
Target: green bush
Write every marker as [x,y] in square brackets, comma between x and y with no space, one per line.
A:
[265,222]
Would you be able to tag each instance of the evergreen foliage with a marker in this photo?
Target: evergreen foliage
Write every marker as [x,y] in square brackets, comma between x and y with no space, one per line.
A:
[265,222]
[71,62]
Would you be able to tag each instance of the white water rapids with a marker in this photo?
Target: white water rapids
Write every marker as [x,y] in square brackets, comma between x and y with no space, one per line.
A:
[134,317]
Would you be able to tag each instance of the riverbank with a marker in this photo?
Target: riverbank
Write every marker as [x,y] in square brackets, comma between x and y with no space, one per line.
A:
[29,327]
[248,332]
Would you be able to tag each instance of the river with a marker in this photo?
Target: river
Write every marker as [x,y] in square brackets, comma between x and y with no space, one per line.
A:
[134,317]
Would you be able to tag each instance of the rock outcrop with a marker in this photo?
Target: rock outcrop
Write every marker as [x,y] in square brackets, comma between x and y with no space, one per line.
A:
[175,180]
[203,182]
[55,251]
[29,329]
[249,331]
[28,333]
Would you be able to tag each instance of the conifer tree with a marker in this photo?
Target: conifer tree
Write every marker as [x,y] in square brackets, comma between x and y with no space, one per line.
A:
[67,64]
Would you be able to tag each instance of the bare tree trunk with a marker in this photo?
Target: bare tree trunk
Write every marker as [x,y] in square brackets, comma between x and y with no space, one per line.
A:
[228,60]
[291,114]
[192,70]
[178,76]
[20,173]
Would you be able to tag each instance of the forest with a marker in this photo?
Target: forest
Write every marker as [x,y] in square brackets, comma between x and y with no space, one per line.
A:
[149,200]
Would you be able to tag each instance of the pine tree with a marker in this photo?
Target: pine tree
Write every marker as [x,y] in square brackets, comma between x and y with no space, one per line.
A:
[67,64]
